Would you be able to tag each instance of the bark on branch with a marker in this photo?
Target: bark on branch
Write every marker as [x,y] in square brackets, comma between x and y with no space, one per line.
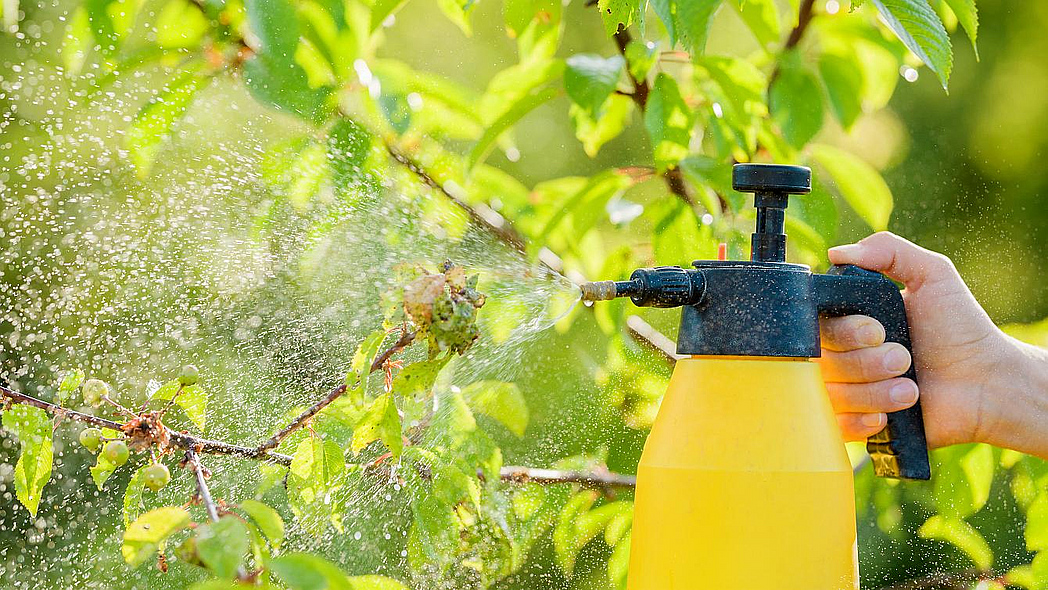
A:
[406,338]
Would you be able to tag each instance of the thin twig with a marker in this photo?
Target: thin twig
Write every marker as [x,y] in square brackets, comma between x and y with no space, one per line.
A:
[950,581]
[193,461]
[641,90]
[406,338]
[598,478]
[179,439]
[21,398]
[480,213]
[657,341]
[804,18]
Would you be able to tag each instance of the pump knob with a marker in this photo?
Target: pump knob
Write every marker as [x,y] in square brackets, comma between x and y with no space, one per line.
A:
[771,178]
[772,185]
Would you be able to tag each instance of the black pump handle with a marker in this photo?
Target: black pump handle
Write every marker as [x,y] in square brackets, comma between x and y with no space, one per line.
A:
[901,449]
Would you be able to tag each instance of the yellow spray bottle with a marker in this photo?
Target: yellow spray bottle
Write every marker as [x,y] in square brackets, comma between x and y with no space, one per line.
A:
[744,483]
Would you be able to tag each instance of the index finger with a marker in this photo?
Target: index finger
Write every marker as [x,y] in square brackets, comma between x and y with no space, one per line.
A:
[850,332]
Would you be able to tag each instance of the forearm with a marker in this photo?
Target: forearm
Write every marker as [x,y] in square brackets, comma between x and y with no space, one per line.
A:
[1014,413]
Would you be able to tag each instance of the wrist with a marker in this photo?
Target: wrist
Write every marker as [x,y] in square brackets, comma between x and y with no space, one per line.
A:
[1014,405]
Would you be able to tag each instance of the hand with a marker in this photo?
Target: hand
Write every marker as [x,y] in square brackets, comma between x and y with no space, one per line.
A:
[959,350]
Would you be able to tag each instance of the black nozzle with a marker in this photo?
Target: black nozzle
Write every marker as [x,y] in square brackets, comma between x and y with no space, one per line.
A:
[772,185]
[663,286]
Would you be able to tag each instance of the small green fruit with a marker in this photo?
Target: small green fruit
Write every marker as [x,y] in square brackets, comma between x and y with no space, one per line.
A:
[94,391]
[91,438]
[115,452]
[156,476]
[189,375]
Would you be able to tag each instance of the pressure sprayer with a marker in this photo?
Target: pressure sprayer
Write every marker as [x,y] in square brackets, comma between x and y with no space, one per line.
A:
[744,483]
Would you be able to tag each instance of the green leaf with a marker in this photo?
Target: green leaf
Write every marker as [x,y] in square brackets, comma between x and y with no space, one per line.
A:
[302,571]
[762,17]
[416,380]
[860,185]
[434,528]
[33,427]
[317,464]
[577,525]
[960,534]
[692,22]
[149,532]
[641,57]
[154,122]
[666,10]
[102,26]
[968,16]
[133,496]
[375,583]
[273,75]
[70,383]
[589,79]
[266,519]
[381,422]
[191,398]
[963,476]
[77,42]
[585,206]
[1036,532]
[522,107]
[381,9]
[796,101]
[458,12]
[180,24]
[499,400]
[222,545]
[915,23]
[348,147]
[842,76]
[614,117]
[360,367]
[668,121]
[101,471]
[620,12]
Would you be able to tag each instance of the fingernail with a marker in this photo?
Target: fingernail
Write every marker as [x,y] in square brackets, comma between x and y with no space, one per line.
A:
[870,334]
[896,360]
[872,420]
[903,393]
[845,249]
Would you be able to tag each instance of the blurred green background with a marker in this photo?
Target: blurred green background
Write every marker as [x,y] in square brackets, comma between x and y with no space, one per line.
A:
[130,278]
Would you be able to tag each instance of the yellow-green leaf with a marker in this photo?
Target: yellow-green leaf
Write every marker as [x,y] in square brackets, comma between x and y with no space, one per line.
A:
[502,401]
[266,519]
[33,428]
[149,532]
[960,534]
[858,183]
[381,422]
[154,122]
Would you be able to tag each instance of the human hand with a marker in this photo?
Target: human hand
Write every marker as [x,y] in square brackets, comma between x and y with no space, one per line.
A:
[959,351]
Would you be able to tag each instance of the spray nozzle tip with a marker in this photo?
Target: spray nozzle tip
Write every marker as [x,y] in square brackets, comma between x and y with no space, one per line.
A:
[598,291]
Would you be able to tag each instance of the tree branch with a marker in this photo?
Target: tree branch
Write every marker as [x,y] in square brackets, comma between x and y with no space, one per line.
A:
[641,90]
[480,214]
[406,338]
[182,440]
[598,478]
[950,581]
[14,397]
[657,341]
[804,17]
[193,462]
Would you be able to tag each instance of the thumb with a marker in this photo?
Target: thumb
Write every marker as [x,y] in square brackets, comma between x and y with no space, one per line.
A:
[896,257]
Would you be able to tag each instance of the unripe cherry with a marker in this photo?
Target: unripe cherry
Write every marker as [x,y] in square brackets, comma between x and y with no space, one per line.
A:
[94,390]
[116,452]
[156,476]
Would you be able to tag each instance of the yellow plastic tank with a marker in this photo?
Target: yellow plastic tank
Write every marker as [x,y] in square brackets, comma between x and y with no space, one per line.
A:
[744,483]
